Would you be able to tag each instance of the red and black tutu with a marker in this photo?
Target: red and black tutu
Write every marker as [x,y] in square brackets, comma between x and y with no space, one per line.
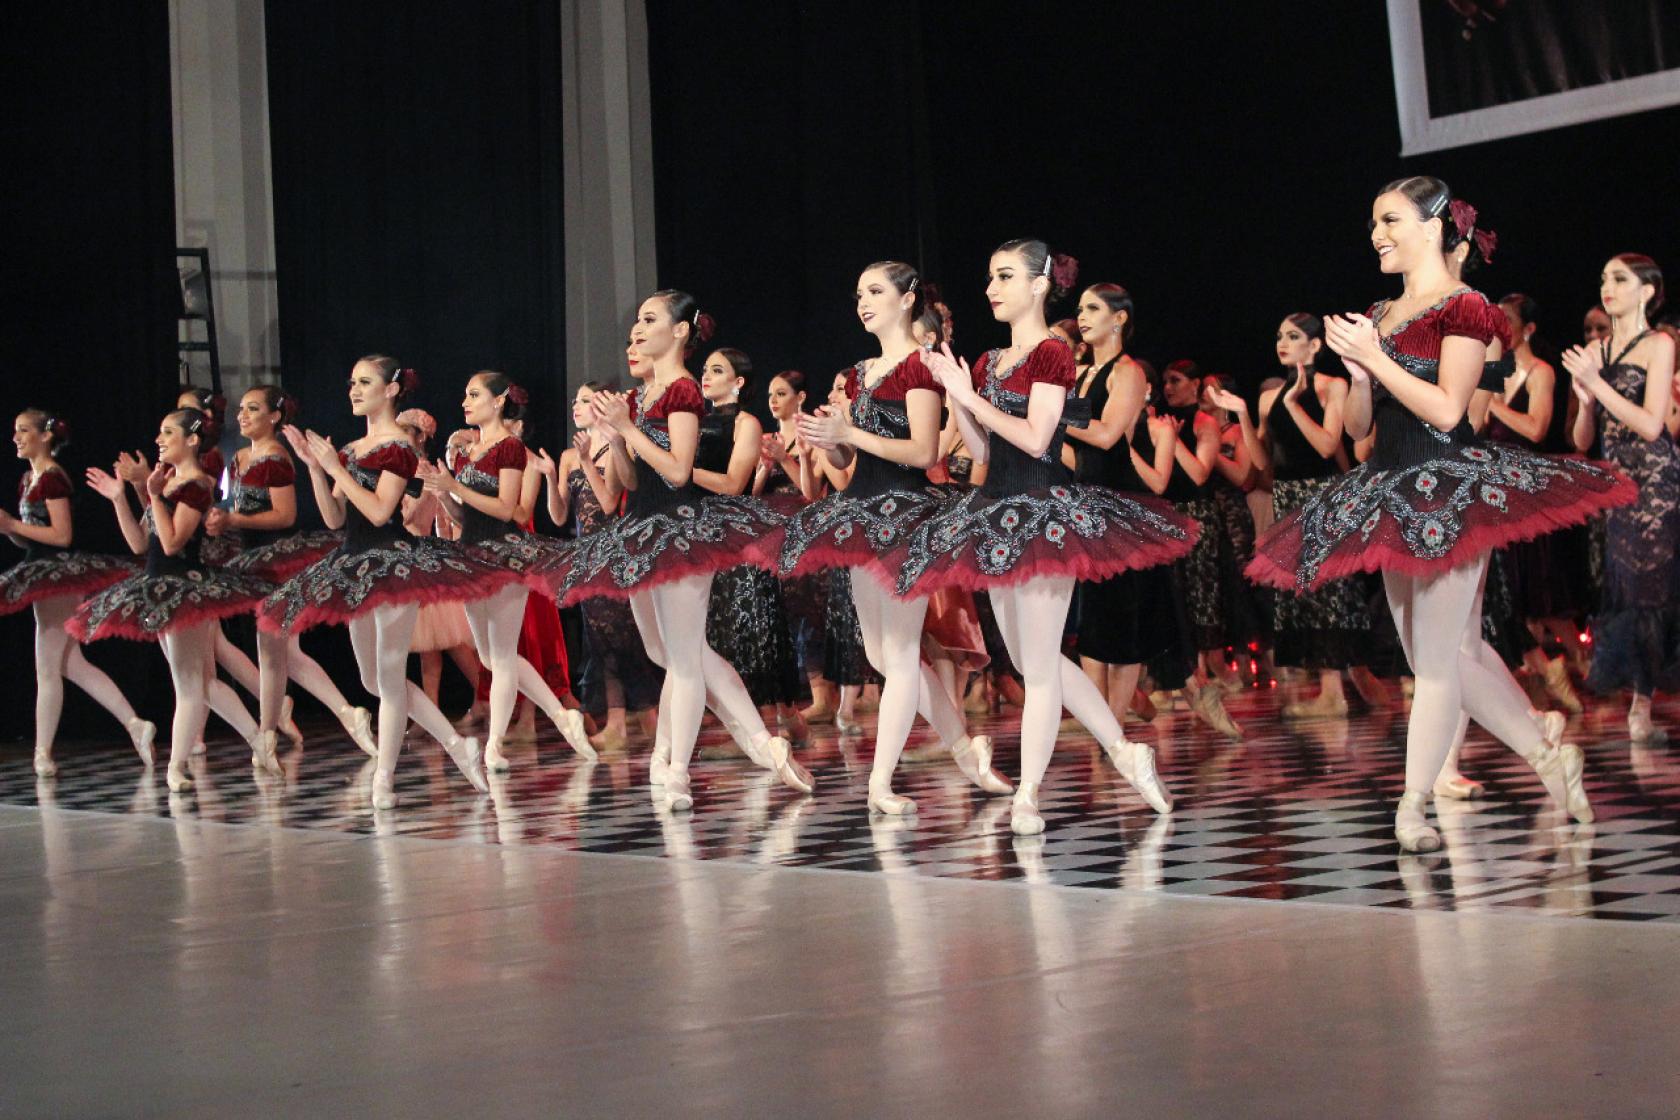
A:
[277,560]
[54,575]
[1082,532]
[690,536]
[1433,515]
[349,582]
[145,606]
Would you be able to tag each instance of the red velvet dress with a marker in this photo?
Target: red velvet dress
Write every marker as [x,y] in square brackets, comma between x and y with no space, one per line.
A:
[667,532]
[275,554]
[173,592]
[1427,500]
[1029,519]
[46,572]
[379,565]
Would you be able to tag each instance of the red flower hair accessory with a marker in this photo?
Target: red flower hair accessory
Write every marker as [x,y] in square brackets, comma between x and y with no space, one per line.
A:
[418,418]
[516,394]
[704,326]
[1063,271]
[1464,218]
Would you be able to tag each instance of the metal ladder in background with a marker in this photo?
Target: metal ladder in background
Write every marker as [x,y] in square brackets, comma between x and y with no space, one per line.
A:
[197,306]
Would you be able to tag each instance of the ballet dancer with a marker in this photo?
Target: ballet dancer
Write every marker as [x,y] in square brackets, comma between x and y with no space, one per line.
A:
[1433,500]
[1028,533]
[52,579]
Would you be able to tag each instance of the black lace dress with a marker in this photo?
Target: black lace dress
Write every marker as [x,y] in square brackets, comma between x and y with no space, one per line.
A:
[1136,617]
[1329,628]
[1636,634]
[612,647]
[746,623]
[1199,579]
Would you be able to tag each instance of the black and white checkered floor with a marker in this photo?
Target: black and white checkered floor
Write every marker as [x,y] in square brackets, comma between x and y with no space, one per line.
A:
[1298,810]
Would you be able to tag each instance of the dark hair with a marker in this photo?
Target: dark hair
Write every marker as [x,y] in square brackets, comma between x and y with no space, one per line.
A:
[1525,306]
[1152,376]
[1185,368]
[499,383]
[1647,271]
[55,429]
[1430,197]
[905,278]
[795,381]
[278,400]
[393,371]
[683,308]
[931,320]
[1118,299]
[739,362]
[211,403]
[194,422]
[592,386]
[1060,269]
[1313,327]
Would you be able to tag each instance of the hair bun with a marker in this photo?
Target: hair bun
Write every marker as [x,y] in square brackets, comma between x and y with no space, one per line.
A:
[704,326]
[1063,271]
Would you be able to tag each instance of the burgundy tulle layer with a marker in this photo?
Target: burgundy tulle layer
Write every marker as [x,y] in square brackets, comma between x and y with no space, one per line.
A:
[642,551]
[1080,532]
[1433,517]
[143,607]
[280,560]
[346,584]
[58,576]
[530,558]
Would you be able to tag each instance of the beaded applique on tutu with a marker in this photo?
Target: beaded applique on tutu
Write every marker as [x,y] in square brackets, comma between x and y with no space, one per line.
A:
[378,565]
[1028,520]
[667,533]
[173,592]
[46,572]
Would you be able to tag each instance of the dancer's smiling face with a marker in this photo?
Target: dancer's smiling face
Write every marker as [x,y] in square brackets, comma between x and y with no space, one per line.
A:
[256,419]
[637,362]
[582,416]
[174,445]
[29,436]
[1401,236]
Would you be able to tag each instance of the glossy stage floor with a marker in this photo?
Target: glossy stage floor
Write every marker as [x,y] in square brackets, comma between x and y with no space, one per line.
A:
[272,946]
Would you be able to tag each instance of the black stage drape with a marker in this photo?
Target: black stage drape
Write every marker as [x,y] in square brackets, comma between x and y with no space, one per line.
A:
[1218,159]
[89,283]
[417,199]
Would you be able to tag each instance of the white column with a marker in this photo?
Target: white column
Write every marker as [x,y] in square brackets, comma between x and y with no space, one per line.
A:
[223,188]
[608,144]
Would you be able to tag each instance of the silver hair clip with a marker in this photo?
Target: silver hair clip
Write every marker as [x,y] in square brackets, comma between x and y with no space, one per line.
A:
[1049,262]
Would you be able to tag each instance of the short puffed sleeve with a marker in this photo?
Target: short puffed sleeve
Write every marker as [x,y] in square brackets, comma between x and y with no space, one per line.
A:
[682,395]
[508,455]
[1469,315]
[53,484]
[211,462]
[1051,363]
[197,494]
[269,471]
[396,458]
[913,373]
[854,382]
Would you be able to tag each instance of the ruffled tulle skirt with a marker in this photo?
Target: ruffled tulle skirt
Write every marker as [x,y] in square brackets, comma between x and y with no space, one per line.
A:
[349,582]
[978,541]
[61,574]
[850,531]
[1434,515]
[143,606]
[440,626]
[640,551]
[528,557]
[277,560]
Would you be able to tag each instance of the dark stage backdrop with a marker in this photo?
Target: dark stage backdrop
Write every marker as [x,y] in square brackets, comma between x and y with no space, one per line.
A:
[89,287]
[417,206]
[1218,159]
